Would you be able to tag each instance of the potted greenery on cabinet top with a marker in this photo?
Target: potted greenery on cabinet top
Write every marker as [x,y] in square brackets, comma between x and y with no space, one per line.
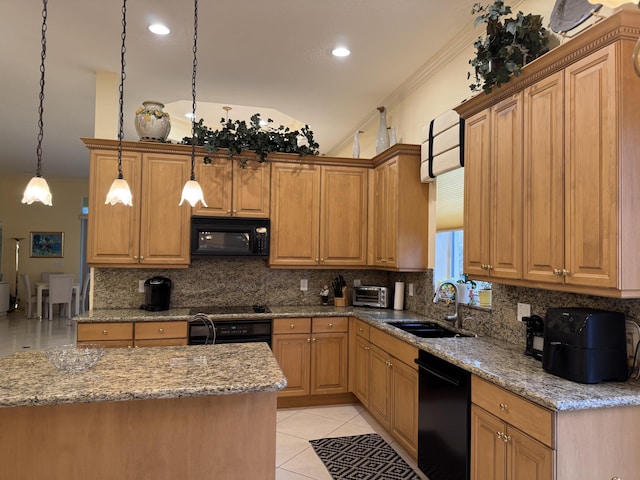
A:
[508,45]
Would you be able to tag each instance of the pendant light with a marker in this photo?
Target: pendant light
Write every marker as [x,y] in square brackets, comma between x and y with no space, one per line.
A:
[38,189]
[120,191]
[192,192]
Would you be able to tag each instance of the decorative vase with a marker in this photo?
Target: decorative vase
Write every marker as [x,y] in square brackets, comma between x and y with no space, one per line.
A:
[382,139]
[356,144]
[394,139]
[152,123]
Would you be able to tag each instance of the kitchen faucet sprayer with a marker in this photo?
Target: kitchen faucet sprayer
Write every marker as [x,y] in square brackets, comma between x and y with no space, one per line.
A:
[437,296]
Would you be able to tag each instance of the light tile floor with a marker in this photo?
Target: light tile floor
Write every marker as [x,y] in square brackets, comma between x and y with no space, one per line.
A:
[295,458]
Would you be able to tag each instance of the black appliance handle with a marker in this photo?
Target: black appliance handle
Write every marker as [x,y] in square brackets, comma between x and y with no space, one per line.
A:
[442,376]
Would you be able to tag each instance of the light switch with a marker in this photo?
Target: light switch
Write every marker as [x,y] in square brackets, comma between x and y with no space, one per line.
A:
[140,286]
[304,285]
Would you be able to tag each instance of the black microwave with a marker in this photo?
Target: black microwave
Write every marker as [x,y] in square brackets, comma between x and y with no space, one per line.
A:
[216,236]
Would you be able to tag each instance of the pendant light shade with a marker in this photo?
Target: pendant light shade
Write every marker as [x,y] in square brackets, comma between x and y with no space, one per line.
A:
[192,192]
[120,191]
[38,189]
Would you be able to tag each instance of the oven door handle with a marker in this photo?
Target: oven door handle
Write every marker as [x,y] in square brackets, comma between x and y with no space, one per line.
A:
[437,373]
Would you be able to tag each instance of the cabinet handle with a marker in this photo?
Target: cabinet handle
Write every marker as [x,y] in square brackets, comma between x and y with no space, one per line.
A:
[616,478]
[556,271]
[228,211]
[331,325]
[367,348]
[317,259]
[308,340]
[489,267]
[504,407]
[565,272]
[322,259]
[161,330]
[135,257]
[360,329]
[235,211]
[104,332]
[141,257]
[313,340]
[292,326]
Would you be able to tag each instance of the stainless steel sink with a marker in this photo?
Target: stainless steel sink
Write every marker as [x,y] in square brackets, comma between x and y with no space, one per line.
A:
[426,329]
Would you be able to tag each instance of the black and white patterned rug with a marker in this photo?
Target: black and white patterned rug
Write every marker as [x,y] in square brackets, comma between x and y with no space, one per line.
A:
[362,457]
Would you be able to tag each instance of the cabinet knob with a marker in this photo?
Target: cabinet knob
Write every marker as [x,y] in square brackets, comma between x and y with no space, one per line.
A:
[141,257]
[360,329]
[322,259]
[292,326]
[331,325]
[228,211]
[313,340]
[161,330]
[367,348]
[104,332]
[489,267]
[565,272]
[235,211]
[135,257]
[317,259]
[483,266]
[556,271]
[504,407]
[308,340]
[616,478]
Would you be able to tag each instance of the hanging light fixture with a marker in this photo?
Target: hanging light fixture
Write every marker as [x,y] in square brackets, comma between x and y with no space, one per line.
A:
[38,189]
[120,191]
[192,192]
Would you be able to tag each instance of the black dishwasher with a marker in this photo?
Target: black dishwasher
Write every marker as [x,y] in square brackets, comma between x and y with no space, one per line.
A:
[443,419]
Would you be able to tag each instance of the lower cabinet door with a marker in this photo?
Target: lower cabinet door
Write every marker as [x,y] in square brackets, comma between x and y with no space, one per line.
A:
[404,417]
[488,450]
[380,386]
[362,369]
[527,458]
[293,354]
[329,372]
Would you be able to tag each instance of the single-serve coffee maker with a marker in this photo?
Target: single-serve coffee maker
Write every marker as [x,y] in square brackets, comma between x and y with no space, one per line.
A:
[157,294]
[585,345]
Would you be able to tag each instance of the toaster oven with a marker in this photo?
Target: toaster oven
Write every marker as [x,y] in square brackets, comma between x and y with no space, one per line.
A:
[370,296]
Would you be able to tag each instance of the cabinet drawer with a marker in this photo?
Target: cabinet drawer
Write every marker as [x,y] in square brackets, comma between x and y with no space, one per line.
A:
[362,329]
[161,342]
[291,325]
[105,331]
[159,330]
[394,346]
[534,420]
[330,324]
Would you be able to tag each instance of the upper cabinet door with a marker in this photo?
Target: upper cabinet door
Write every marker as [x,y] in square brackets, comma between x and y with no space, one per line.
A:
[251,189]
[164,225]
[506,189]
[295,214]
[215,179]
[343,216]
[544,180]
[113,230]
[591,170]
[477,197]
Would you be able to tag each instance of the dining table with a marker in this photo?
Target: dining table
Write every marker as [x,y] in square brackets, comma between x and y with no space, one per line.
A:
[43,287]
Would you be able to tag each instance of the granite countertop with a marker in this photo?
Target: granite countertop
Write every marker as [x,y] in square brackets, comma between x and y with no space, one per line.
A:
[30,379]
[493,360]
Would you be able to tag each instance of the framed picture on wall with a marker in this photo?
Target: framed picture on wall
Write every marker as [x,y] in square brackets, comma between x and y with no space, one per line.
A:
[47,245]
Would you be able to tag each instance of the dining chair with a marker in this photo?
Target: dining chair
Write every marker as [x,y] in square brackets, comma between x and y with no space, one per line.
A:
[84,295]
[44,276]
[60,292]
[29,296]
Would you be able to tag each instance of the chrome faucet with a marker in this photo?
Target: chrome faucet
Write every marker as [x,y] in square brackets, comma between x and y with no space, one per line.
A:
[457,323]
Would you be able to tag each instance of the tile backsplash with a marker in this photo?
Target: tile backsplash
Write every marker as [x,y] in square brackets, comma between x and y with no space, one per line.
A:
[248,281]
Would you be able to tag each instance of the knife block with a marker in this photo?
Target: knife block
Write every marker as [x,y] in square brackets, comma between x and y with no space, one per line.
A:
[342,301]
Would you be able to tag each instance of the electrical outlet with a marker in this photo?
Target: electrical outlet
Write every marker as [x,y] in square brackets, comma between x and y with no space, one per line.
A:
[357,282]
[524,310]
[304,285]
[410,290]
[140,286]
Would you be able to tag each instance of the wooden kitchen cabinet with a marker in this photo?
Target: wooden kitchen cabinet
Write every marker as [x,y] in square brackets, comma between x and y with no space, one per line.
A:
[313,354]
[361,363]
[399,228]
[105,334]
[500,448]
[493,191]
[581,169]
[319,215]
[155,231]
[234,191]
[160,334]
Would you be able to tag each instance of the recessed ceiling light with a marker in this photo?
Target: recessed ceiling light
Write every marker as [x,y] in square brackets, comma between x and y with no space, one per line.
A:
[340,52]
[159,29]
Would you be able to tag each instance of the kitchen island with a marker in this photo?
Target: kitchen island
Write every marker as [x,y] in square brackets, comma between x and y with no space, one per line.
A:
[162,413]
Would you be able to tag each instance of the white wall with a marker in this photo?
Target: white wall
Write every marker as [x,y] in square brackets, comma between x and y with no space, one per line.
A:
[20,220]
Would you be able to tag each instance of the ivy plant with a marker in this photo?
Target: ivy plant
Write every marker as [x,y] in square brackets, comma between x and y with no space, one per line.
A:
[237,135]
[508,45]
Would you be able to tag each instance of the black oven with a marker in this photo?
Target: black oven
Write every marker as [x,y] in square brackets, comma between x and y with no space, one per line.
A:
[214,236]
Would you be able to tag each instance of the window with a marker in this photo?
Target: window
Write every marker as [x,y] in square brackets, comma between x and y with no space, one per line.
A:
[449,256]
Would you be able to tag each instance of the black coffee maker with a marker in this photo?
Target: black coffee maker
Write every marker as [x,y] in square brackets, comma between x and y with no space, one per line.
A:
[157,294]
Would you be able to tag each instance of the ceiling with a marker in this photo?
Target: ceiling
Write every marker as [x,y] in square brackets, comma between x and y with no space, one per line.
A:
[270,56]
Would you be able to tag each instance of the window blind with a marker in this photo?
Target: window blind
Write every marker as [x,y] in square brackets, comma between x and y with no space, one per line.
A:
[450,200]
